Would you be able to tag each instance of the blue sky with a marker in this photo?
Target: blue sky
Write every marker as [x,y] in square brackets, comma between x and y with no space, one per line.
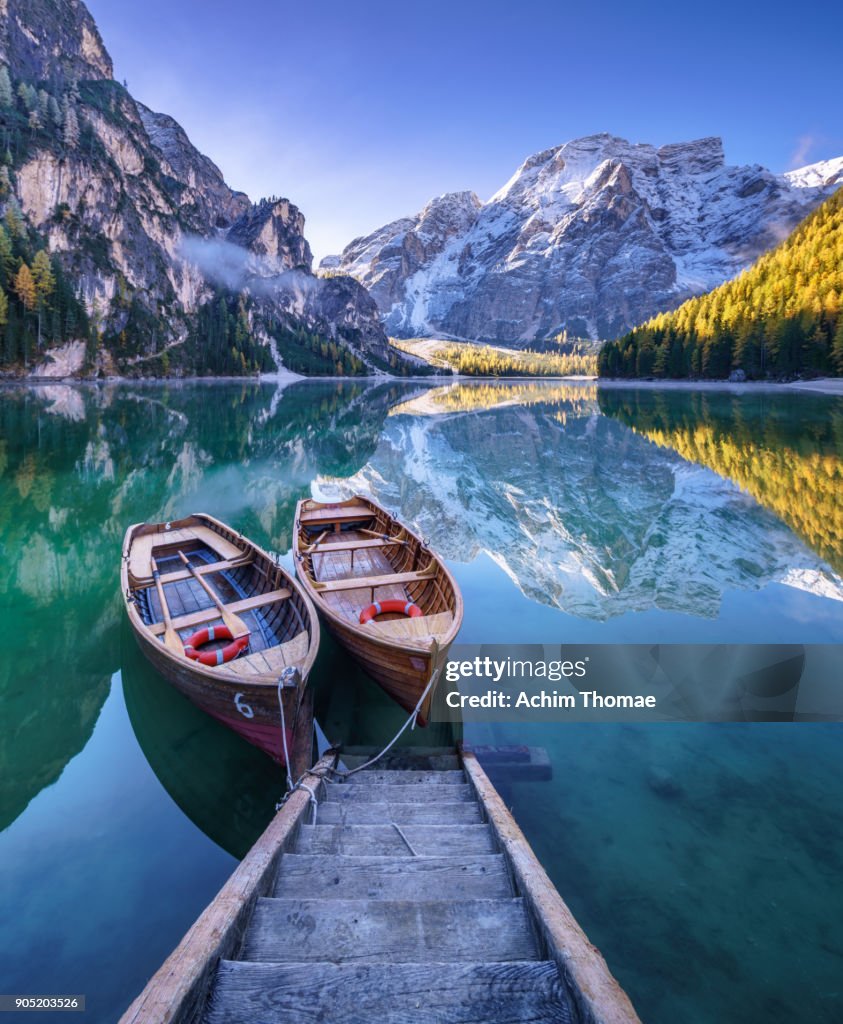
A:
[361,112]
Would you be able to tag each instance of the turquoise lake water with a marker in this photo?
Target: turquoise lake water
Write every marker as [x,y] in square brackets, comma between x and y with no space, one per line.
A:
[567,514]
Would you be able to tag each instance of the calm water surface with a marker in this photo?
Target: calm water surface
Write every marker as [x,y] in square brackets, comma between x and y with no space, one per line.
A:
[566,514]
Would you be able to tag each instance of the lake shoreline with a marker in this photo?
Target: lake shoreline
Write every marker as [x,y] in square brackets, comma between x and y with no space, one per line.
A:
[823,385]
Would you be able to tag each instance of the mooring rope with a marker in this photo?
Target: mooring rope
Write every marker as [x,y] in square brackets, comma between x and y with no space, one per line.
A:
[344,773]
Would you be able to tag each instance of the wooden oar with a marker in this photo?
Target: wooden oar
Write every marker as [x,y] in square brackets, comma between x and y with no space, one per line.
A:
[317,542]
[171,637]
[237,626]
[386,536]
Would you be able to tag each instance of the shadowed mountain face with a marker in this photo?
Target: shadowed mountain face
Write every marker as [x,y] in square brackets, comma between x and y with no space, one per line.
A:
[593,237]
[587,514]
[145,227]
[77,467]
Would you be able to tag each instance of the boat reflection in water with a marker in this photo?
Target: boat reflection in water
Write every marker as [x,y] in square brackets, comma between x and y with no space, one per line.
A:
[227,787]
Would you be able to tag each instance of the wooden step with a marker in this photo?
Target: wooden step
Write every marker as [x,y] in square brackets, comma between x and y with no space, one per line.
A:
[335,812]
[395,792]
[390,878]
[386,840]
[442,993]
[389,931]
[417,758]
[376,777]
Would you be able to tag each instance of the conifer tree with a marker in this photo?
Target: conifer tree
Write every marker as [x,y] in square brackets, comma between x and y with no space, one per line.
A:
[837,348]
[7,261]
[42,275]
[70,122]
[14,220]
[25,287]
[28,96]
[54,112]
[4,309]
[6,97]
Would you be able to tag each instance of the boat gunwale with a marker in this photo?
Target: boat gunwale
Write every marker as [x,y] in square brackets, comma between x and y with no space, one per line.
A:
[358,629]
[262,681]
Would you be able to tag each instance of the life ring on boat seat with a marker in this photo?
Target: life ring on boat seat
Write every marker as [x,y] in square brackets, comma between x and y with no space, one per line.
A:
[220,656]
[412,611]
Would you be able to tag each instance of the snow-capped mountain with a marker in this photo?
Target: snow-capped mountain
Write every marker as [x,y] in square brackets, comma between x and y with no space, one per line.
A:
[594,236]
[825,174]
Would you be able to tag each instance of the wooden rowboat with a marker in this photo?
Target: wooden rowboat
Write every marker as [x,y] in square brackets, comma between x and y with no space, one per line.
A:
[352,553]
[180,577]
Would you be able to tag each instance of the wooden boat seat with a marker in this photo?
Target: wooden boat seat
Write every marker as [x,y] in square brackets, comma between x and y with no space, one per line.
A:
[273,660]
[341,514]
[413,629]
[370,582]
[143,548]
[354,545]
[203,570]
[209,614]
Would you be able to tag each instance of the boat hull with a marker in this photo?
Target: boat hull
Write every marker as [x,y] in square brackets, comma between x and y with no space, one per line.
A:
[246,708]
[402,674]
[403,668]
[247,705]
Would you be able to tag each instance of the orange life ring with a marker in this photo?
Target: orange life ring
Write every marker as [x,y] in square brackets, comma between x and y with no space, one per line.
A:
[412,611]
[220,656]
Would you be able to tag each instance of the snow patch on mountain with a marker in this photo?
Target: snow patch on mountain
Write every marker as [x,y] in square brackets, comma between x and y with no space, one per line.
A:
[825,174]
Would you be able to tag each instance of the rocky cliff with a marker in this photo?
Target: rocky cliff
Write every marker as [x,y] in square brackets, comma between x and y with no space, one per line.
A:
[126,206]
[592,237]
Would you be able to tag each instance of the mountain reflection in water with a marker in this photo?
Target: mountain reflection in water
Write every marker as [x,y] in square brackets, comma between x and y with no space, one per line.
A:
[561,485]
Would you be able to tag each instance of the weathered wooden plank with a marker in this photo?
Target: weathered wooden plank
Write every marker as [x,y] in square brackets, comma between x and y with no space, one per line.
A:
[589,982]
[144,546]
[389,931]
[416,628]
[395,792]
[337,515]
[356,545]
[209,614]
[176,992]
[390,878]
[504,993]
[205,569]
[369,582]
[442,813]
[374,776]
[382,840]
[418,758]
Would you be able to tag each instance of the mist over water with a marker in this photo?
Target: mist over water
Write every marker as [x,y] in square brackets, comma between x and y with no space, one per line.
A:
[704,861]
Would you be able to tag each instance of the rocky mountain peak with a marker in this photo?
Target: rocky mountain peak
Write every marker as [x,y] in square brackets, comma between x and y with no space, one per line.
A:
[447,214]
[274,230]
[591,237]
[702,156]
[45,40]
[155,247]
[195,170]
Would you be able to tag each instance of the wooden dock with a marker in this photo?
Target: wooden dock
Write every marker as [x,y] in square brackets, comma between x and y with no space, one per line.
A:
[414,898]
